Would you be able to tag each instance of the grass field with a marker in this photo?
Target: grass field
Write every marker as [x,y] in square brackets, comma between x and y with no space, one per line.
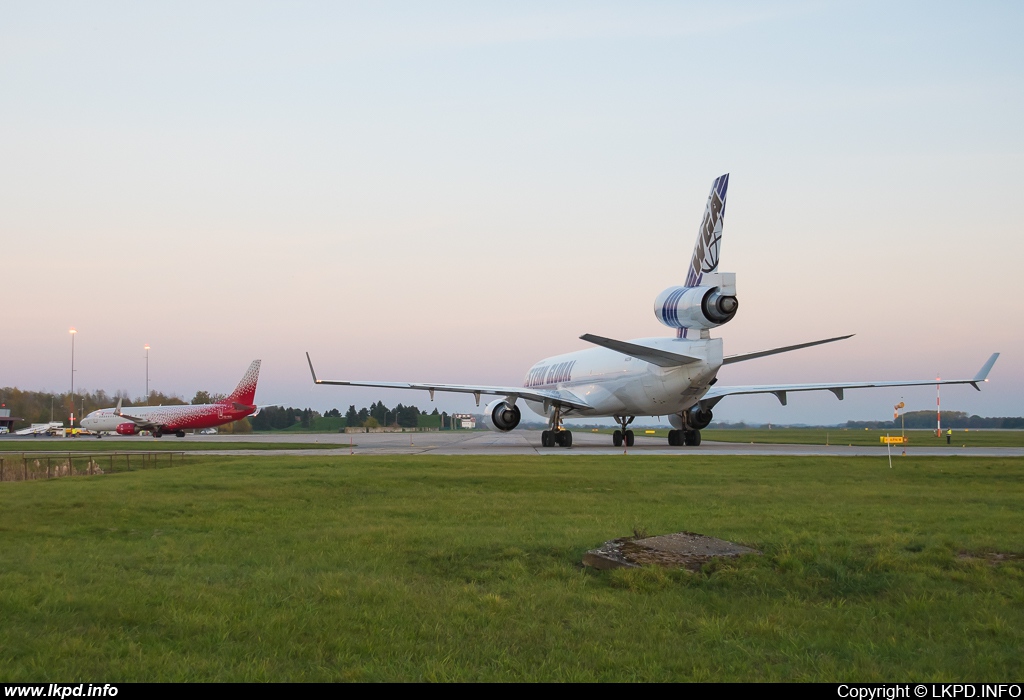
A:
[421,568]
[843,436]
[143,444]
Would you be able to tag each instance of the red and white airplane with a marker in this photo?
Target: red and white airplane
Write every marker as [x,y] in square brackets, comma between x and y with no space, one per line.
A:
[177,419]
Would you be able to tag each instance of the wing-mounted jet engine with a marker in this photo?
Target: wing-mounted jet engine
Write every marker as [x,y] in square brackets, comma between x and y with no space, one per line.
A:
[501,416]
[707,306]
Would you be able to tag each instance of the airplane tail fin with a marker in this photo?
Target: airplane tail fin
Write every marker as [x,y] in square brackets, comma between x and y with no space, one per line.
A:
[709,238]
[245,392]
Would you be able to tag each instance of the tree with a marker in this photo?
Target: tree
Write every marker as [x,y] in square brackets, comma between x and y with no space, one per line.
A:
[408,416]
[371,422]
[201,397]
[351,417]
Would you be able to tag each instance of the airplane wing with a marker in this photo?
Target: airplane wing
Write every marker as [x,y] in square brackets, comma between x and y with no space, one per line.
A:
[716,394]
[546,396]
[141,422]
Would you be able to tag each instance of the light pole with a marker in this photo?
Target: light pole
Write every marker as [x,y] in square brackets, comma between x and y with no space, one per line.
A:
[147,374]
[72,331]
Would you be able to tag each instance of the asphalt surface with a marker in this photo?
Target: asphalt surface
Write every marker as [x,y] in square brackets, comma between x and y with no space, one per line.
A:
[524,442]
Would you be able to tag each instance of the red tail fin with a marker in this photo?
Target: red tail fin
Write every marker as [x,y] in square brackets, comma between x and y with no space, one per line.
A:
[245,392]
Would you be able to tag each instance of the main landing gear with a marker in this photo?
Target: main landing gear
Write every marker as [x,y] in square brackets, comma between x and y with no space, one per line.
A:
[558,436]
[157,432]
[678,438]
[624,435]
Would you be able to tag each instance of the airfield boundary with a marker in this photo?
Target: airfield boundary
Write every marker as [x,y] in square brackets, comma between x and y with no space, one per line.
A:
[52,465]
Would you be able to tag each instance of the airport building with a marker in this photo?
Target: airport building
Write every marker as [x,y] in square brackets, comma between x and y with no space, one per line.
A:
[6,420]
[466,421]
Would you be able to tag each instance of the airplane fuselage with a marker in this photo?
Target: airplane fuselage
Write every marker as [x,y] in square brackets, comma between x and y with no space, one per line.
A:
[170,418]
[614,384]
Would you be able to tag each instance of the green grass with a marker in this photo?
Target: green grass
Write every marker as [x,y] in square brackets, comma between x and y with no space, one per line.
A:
[144,444]
[466,568]
[844,436]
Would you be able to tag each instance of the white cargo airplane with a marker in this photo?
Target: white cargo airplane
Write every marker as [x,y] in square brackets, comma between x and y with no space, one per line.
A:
[672,377]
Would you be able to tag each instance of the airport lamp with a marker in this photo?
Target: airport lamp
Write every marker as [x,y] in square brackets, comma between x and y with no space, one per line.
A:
[73,332]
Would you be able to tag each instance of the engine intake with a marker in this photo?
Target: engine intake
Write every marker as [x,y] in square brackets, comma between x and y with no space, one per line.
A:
[696,419]
[127,429]
[501,416]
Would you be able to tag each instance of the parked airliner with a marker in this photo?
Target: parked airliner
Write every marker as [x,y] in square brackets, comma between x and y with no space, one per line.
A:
[177,419]
[673,377]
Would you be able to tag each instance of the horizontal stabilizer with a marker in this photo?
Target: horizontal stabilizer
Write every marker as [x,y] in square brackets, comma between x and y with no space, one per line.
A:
[662,358]
[775,351]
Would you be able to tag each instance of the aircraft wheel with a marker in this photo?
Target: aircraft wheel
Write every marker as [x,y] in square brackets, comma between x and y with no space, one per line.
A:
[545,438]
[674,438]
[629,438]
[617,438]
[565,438]
[158,433]
[179,433]
[691,438]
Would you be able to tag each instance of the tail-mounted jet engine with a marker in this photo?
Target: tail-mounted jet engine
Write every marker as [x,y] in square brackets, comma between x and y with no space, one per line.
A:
[711,304]
[501,416]
[127,429]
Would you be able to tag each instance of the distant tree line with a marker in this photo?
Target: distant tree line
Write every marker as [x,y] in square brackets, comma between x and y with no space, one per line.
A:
[39,406]
[950,419]
[375,416]
[43,406]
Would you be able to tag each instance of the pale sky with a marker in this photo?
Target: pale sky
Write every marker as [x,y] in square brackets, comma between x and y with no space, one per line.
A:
[451,191]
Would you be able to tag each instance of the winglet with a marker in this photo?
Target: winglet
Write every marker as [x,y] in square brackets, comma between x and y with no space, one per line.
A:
[117,411]
[982,375]
[311,370]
